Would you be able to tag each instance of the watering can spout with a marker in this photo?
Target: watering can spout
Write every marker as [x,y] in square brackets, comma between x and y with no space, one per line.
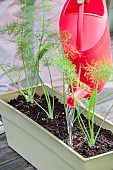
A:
[72,100]
[77,95]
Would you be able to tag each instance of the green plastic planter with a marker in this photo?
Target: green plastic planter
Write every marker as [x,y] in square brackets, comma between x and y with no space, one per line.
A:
[43,150]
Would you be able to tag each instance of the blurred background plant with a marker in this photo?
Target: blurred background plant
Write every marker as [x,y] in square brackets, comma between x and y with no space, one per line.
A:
[32,44]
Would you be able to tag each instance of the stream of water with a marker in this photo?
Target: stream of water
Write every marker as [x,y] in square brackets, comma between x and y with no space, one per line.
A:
[70,118]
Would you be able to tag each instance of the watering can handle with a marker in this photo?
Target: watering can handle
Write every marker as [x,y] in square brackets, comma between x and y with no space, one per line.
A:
[80,30]
[80,24]
[80,1]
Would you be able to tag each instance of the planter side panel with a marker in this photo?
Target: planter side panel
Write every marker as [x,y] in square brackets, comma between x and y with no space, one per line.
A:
[32,150]
[103,162]
[36,145]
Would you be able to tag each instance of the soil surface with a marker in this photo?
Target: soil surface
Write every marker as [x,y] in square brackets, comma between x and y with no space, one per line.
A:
[58,126]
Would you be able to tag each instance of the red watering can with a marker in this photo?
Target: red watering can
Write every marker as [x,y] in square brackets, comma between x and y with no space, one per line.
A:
[88,26]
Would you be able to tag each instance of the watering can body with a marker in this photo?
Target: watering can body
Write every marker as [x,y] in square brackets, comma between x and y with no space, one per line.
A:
[89,34]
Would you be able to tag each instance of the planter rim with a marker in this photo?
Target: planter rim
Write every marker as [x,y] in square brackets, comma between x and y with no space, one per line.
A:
[23,89]
[49,133]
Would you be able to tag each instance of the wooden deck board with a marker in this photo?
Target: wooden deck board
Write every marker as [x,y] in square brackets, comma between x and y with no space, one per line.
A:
[106,90]
[103,110]
[17,164]
[6,153]
[9,159]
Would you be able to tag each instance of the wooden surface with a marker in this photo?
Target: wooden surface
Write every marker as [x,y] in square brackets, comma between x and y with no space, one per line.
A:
[10,160]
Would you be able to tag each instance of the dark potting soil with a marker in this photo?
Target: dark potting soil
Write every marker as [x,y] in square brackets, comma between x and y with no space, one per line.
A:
[58,126]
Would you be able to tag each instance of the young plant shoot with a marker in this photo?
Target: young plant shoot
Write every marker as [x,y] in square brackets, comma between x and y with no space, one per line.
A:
[69,77]
[99,72]
[32,45]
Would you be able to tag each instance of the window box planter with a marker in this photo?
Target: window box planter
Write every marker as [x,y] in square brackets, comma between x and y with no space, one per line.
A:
[42,149]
